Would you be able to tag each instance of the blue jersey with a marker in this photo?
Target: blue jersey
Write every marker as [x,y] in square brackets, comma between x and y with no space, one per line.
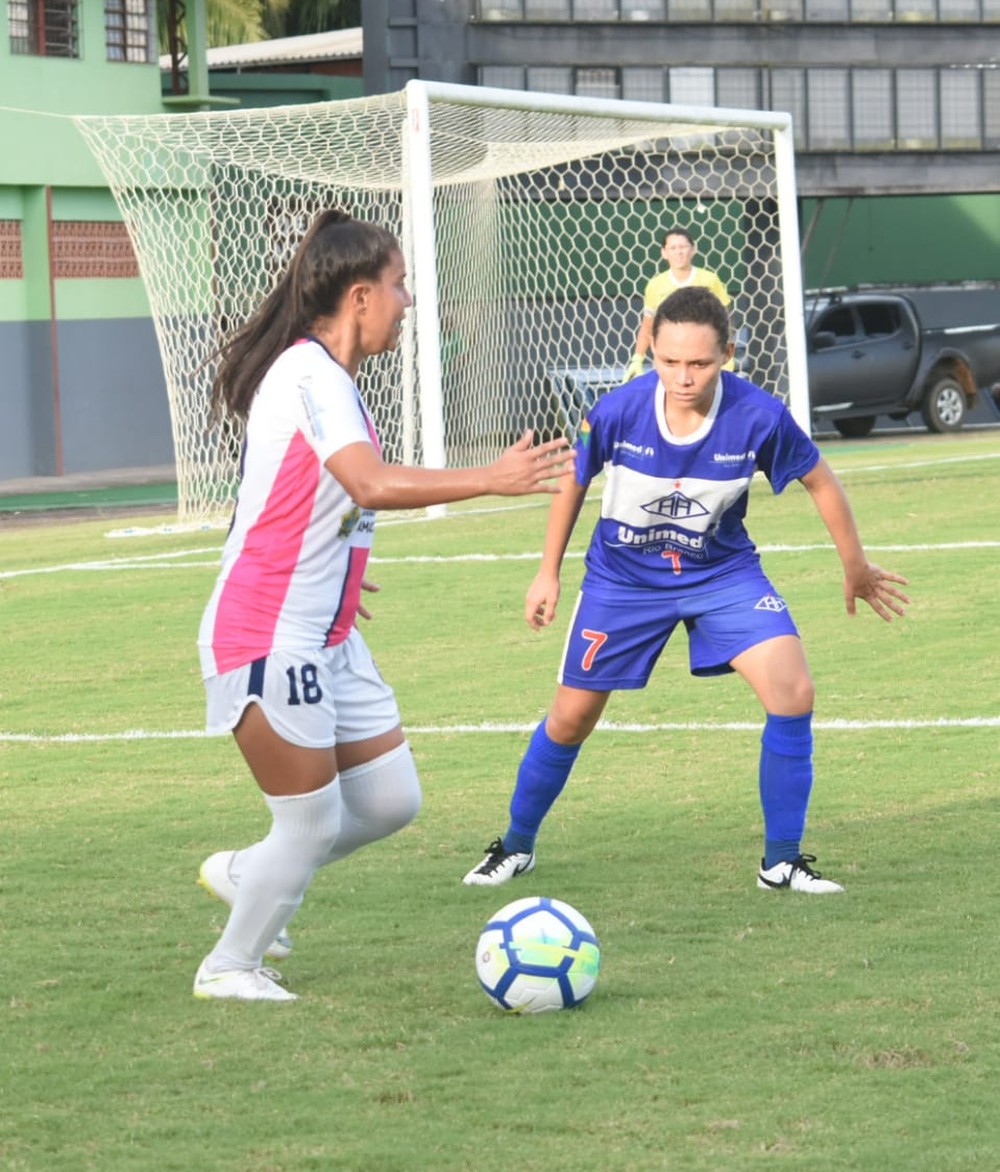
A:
[673,507]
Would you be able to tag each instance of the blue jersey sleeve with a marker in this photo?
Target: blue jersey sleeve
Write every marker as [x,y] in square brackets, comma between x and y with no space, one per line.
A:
[588,457]
[787,454]
[621,415]
[586,464]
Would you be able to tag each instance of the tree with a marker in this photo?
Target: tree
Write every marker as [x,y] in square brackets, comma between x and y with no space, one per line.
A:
[296,18]
[238,22]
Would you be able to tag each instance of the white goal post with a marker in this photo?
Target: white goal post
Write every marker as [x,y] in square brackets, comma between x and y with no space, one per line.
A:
[530,223]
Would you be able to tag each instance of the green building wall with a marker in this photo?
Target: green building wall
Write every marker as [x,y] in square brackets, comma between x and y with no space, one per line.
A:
[82,387]
[901,240]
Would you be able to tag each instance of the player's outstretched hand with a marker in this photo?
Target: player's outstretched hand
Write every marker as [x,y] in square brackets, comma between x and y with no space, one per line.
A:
[372,588]
[540,601]
[524,468]
[873,584]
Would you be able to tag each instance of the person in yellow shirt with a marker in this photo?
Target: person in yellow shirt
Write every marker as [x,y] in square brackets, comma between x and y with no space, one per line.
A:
[678,251]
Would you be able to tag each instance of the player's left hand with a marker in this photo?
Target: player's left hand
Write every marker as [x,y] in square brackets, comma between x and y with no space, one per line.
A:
[873,584]
[372,588]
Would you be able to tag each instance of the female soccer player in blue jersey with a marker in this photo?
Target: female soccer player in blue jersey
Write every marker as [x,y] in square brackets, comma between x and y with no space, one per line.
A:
[679,446]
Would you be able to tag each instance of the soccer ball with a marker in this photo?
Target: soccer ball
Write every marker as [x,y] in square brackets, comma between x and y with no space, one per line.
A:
[537,954]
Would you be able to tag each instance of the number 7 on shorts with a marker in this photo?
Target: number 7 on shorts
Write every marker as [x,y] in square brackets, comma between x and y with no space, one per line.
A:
[596,639]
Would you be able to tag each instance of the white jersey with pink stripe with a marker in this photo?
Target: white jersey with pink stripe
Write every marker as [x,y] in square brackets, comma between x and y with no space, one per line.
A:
[294,559]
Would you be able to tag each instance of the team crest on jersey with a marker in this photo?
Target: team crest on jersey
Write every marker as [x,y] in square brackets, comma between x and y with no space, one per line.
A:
[349,522]
[584,436]
[771,602]
[676,506]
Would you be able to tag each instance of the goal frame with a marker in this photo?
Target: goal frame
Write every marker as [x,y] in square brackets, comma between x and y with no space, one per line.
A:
[420,95]
[527,220]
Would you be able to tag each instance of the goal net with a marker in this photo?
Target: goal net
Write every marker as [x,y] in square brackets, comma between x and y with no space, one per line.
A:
[530,224]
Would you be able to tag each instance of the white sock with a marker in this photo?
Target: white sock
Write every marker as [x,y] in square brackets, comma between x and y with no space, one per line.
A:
[274,873]
[379,798]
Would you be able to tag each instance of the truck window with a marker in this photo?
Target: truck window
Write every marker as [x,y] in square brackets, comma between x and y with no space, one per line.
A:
[838,321]
[879,321]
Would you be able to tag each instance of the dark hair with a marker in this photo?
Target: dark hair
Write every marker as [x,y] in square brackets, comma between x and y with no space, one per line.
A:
[336,252]
[677,232]
[696,305]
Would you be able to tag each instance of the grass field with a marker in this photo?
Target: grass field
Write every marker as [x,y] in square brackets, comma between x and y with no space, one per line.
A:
[731,1028]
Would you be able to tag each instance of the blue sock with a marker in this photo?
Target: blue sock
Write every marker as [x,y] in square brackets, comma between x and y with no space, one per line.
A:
[541,776]
[786,776]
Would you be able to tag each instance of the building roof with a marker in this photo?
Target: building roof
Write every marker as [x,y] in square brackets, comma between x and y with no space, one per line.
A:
[331,46]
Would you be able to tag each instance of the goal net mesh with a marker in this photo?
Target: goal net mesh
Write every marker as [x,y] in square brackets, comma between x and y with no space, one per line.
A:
[546,226]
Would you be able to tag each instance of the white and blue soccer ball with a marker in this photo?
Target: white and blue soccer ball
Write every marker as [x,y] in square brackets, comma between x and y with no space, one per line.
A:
[537,954]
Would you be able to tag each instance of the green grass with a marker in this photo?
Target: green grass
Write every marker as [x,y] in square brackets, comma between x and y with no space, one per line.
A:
[131,495]
[730,1029]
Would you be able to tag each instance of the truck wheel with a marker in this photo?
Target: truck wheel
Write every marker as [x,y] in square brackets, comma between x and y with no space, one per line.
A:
[856,428]
[943,408]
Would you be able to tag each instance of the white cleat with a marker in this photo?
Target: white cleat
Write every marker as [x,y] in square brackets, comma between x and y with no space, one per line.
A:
[796,875]
[214,876]
[240,985]
[499,866]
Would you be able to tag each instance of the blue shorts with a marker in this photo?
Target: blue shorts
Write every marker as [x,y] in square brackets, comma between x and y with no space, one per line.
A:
[615,645]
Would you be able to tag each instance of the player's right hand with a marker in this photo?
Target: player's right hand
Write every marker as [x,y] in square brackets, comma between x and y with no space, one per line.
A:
[540,601]
[525,468]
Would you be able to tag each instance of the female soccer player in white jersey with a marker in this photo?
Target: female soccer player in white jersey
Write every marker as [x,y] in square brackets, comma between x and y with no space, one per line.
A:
[284,665]
[679,446]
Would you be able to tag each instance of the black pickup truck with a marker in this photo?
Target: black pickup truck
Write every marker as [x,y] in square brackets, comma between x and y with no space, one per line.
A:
[873,352]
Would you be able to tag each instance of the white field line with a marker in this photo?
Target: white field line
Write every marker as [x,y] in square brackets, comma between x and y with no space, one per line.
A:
[170,561]
[424,518]
[940,722]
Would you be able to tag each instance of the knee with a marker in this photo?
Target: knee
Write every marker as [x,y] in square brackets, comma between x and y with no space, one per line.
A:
[802,695]
[791,695]
[384,793]
[571,724]
[402,804]
[311,820]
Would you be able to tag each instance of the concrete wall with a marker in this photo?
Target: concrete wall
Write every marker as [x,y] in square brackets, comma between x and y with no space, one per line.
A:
[112,406]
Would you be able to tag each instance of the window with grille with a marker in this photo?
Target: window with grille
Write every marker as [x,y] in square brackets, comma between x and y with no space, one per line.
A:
[961,110]
[991,110]
[552,79]
[503,77]
[827,97]
[739,89]
[642,84]
[711,11]
[597,83]
[871,109]
[88,248]
[11,256]
[44,28]
[833,109]
[127,30]
[692,85]
[916,109]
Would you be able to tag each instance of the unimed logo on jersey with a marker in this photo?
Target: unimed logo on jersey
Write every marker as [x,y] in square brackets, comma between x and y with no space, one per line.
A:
[677,506]
[771,602]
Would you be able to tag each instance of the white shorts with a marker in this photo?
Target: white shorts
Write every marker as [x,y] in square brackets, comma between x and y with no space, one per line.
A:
[316,699]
